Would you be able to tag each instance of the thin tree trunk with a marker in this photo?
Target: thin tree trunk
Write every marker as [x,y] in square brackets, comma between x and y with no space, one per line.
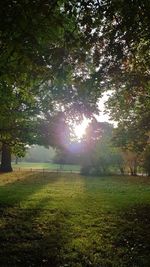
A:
[121,170]
[135,171]
[131,171]
[16,160]
[6,158]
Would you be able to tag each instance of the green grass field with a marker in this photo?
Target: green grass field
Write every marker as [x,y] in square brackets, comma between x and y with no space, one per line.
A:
[48,166]
[67,220]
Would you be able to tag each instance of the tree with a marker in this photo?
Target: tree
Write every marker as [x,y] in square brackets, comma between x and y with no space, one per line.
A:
[100,156]
[80,47]
[92,135]
[131,160]
[41,58]
[146,160]
[128,49]
[66,157]
[124,41]
[133,142]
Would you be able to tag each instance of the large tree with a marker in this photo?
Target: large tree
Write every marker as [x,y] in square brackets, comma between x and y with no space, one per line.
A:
[125,38]
[127,30]
[41,70]
[80,47]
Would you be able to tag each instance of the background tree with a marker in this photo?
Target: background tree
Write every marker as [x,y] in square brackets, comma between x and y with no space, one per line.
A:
[127,34]
[133,142]
[37,153]
[100,155]
[66,157]
[146,160]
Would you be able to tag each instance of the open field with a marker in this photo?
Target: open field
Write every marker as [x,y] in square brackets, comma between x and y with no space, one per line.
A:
[67,220]
[47,166]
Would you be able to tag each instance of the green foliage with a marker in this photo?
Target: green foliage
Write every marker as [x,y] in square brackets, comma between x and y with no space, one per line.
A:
[146,160]
[108,159]
[41,53]
[66,157]
[18,150]
[76,50]
[127,33]
[101,156]
[134,144]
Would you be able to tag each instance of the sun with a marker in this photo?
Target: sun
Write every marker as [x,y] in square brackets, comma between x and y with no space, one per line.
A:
[80,129]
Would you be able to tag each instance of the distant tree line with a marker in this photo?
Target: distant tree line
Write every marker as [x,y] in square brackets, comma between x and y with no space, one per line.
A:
[36,154]
[105,154]
[102,153]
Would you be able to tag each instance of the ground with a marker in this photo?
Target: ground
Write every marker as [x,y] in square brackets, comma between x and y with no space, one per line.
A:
[49,166]
[68,220]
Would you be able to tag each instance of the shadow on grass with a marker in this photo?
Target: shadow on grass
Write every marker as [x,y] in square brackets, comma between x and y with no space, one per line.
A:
[30,236]
[132,240]
[26,240]
[13,193]
[42,237]
[122,240]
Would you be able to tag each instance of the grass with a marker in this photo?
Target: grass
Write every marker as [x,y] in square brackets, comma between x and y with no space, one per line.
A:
[48,166]
[69,220]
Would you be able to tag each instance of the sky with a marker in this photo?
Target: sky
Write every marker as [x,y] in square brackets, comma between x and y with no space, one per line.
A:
[101,104]
[79,129]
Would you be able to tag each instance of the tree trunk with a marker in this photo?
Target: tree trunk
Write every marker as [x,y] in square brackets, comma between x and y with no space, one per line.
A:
[135,171]
[131,171]
[121,170]
[6,158]
[16,160]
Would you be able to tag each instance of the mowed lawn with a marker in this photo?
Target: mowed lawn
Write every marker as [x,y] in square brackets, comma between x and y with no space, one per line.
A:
[67,220]
[48,166]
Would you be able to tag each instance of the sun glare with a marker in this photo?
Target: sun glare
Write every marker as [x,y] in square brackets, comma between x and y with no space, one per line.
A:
[80,129]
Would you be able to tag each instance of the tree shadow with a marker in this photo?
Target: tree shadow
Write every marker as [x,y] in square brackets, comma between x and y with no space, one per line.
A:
[42,236]
[31,236]
[26,240]
[13,193]
[132,240]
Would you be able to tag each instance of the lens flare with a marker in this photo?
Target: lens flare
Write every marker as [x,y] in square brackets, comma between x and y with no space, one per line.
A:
[80,129]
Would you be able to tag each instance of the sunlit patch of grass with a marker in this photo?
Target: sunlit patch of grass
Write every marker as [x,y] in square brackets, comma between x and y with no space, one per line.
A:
[71,220]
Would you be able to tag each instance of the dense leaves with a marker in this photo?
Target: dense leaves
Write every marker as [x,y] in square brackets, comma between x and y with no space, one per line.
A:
[77,49]
[40,69]
[99,155]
